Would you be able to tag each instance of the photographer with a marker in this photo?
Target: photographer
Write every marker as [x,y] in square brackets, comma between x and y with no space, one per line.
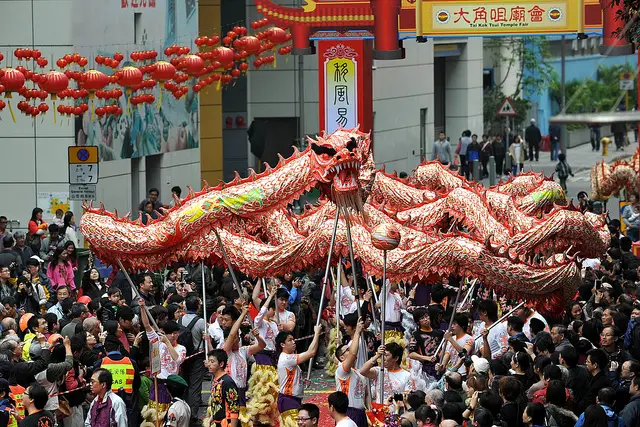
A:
[10,257]
[31,296]
[7,287]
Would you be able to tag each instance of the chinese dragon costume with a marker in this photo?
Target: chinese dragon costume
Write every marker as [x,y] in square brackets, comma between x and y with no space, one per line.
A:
[608,179]
[520,237]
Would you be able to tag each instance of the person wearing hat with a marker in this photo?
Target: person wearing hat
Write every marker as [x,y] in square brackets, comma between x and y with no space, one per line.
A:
[125,374]
[480,365]
[179,413]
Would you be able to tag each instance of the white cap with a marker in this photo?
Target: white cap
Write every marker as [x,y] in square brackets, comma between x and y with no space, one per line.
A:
[37,258]
[533,120]
[480,365]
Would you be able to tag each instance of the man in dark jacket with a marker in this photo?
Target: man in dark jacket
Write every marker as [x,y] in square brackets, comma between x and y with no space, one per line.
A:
[533,137]
[596,364]
[631,413]
[579,378]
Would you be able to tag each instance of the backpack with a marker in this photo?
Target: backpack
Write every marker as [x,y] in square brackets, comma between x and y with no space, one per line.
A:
[186,337]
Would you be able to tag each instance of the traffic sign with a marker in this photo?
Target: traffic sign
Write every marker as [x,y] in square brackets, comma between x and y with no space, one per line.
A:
[626,81]
[83,165]
[81,155]
[83,174]
[507,109]
[82,192]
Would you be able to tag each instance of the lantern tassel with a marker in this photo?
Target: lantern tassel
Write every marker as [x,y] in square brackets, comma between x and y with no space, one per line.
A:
[93,111]
[160,98]
[13,116]
[128,91]
[55,113]
[219,84]
[275,61]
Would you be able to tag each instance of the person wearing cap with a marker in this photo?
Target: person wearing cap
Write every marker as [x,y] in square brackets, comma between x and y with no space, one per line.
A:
[479,365]
[107,408]
[36,328]
[533,137]
[125,377]
[179,413]
[39,277]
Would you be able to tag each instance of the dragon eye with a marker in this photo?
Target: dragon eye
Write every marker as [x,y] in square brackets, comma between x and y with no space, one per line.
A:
[352,144]
[320,150]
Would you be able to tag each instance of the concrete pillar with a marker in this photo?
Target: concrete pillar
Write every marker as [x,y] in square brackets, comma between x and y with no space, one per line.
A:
[492,170]
[463,84]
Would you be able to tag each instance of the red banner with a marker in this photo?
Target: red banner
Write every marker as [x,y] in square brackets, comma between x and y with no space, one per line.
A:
[345,84]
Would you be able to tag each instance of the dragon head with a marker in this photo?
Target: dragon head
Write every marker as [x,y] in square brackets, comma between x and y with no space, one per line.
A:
[336,160]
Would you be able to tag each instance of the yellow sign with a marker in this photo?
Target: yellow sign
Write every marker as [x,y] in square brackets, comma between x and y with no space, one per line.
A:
[341,93]
[478,18]
[83,154]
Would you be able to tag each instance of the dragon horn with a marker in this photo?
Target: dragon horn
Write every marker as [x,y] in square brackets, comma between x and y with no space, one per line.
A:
[281,160]
[127,215]
[252,174]
[115,213]
[192,193]
[205,185]
[236,178]
[102,209]
[90,204]
[267,167]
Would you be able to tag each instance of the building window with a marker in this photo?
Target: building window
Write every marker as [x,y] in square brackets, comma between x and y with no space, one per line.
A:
[487,78]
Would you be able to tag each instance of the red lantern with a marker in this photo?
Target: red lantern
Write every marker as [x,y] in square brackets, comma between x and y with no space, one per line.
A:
[94,80]
[13,81]
[251,44]
[129,77]
[54,82]
[277,35]
[192,65]
[224,55]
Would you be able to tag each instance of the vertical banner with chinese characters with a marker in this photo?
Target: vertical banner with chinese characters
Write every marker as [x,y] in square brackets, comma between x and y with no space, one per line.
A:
[345,83]
[503,17]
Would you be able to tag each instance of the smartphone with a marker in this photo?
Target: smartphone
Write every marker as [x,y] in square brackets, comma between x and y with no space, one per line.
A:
[397,397]
[598,284]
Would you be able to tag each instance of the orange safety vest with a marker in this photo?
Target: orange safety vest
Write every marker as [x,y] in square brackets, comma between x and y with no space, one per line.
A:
[16,391]
[122,373]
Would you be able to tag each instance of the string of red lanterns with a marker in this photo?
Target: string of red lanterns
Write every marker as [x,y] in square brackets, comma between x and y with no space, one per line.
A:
[218,60]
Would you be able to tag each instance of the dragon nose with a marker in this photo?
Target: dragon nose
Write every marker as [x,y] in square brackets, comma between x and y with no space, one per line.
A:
[339,157]
[352,154]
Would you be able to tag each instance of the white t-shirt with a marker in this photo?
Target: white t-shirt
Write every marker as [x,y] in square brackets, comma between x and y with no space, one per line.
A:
[215,331]
[178,414]
[347,301]
[285,317]
[268,329]
[527,325]
[498,339]
[346,422]
[353,384]
[290,375]
[168,366]
[237,366]
[394,307]
[399,381]
[465,340]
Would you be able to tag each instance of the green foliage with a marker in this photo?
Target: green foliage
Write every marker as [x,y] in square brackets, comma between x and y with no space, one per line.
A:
[602,93]
[528,58]
[629,25]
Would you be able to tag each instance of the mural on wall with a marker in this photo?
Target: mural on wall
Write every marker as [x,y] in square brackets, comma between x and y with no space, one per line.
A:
[143,129]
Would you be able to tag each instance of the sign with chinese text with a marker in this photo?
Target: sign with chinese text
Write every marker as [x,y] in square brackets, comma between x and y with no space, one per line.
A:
[83,165]
[478,18]
[345,84]
[154,356]
[137,4]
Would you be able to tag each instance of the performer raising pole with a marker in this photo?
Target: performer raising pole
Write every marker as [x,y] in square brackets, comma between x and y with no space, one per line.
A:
[385,238]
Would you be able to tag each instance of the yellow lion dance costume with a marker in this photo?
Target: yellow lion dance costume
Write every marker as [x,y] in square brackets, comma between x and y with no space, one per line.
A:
[262,395]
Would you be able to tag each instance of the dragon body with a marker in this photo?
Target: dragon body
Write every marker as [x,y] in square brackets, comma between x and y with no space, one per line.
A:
[608,179]
[520,236]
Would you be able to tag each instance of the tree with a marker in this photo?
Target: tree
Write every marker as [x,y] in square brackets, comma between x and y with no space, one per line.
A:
[528,58]
[602,93]
[628,18]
